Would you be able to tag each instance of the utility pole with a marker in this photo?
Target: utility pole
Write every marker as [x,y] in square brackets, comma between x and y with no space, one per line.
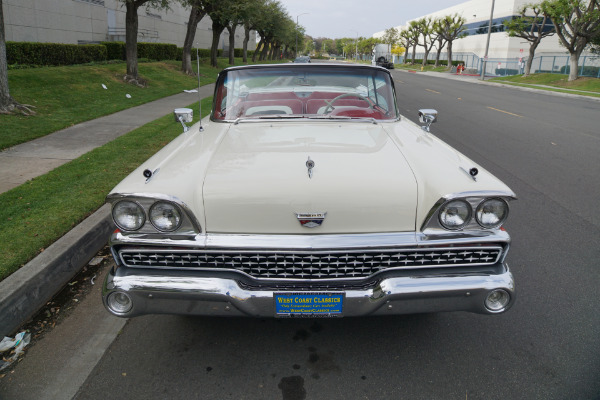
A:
[297,32]
[487,46]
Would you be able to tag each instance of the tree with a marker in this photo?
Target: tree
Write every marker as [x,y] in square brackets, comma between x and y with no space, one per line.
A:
[391,37]
[398,50]
[131,32]
[451,27]
[366,45]
[411,37]
[219,12]
[531,28]
[7,103]
[577,23]
[426,31]
[441,41]
[196,14]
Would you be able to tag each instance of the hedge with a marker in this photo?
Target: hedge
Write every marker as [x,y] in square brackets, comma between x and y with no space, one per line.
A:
[53,53]
[588,70]
[41,54]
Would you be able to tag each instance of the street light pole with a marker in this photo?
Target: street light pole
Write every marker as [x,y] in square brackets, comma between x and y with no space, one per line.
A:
[487,46]
[297,31]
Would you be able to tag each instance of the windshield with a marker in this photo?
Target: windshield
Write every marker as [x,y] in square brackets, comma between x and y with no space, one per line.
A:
[304,92]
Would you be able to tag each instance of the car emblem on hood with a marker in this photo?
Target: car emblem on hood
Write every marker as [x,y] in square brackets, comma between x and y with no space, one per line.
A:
[311,220]
[310,164]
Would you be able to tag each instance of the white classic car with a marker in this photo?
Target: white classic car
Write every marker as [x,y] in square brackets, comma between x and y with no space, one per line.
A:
[306,194]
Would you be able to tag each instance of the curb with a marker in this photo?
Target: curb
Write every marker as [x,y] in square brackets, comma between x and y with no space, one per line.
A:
[23,293]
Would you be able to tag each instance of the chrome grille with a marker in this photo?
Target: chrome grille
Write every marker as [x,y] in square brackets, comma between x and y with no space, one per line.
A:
[310,265]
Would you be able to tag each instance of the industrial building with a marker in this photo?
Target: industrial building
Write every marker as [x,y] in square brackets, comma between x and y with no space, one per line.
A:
[505,53]
[94,21]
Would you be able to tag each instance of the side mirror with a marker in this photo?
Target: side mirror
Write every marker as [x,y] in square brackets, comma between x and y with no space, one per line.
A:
[184,115]
[427,116]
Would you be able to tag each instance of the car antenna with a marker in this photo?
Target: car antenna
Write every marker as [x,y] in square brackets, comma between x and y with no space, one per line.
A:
[199,97]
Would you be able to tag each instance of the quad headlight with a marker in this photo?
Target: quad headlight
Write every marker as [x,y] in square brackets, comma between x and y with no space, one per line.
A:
[128,215]
[491,213]
[165,216]
[455,214]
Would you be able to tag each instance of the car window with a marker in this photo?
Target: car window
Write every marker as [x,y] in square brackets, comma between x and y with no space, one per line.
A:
[304,91]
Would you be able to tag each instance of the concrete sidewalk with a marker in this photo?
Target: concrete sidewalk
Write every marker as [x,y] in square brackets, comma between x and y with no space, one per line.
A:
[23,293]
[23,162]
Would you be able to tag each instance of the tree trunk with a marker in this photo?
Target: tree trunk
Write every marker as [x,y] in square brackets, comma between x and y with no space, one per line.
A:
[413,54]
[131,30]
[437,57]
[449,54]
[532,48]
[245,45]
[196,16]
[7,103]
[263,54]
[231,30]
[5,98]
[258,48]
[214,48]
[573,67]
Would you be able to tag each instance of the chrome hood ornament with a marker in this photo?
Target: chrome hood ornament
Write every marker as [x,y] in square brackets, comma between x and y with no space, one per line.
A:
[311,220]
[310,164]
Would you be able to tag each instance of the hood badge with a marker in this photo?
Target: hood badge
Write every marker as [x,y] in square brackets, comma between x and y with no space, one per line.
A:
[311,220]
[310,164]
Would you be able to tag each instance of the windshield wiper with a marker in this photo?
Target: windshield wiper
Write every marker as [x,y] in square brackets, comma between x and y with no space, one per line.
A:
[345,117]
[329,117]
[280,116]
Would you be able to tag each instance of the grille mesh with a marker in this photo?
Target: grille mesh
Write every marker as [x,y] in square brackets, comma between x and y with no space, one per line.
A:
[310,265]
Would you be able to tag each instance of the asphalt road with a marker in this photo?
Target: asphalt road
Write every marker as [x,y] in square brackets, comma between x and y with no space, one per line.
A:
[546,347]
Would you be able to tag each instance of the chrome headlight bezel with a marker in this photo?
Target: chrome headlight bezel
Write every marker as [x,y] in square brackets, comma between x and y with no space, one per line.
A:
[432,224]
[140,215]
[501,219]
[188,224]
[444,210]
[154,218]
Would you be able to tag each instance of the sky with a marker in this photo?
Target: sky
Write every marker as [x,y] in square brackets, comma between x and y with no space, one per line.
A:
[350,18]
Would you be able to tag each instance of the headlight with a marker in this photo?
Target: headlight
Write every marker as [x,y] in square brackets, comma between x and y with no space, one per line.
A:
[491,213]
[455,214]
[128,215]
[165,216]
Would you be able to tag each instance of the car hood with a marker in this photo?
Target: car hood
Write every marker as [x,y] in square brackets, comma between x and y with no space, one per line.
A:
[257,180]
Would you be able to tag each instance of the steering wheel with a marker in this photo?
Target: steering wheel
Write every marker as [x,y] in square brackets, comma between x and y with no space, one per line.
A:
[329,108]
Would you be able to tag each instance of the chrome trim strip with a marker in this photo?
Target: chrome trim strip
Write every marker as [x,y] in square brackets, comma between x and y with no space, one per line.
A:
[315,242]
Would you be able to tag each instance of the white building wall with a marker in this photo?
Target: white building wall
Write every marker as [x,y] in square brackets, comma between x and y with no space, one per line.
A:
[501,45]
[75,21]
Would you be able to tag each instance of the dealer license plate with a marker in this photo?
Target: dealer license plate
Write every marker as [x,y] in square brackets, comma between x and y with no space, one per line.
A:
[309,304]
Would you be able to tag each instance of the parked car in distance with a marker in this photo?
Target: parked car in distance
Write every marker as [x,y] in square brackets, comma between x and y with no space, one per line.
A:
[306,194]
[384,62]
[302,59]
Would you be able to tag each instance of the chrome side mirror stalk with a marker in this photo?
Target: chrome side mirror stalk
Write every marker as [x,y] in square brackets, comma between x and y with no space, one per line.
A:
[427,116]
[184,115]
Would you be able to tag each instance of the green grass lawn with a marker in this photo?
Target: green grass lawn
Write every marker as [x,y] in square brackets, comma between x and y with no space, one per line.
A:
[37,213]
[65,96]
[557,82]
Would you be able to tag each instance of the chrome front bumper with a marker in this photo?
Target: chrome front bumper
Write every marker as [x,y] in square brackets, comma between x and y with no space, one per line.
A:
[181,292]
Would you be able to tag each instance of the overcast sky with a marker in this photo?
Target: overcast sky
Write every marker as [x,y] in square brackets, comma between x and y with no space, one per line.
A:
[344,18]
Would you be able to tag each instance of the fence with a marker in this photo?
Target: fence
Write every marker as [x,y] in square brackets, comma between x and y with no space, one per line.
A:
[589,65]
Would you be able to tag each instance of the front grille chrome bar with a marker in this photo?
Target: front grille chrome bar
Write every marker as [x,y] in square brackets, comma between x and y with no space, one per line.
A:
[315,264]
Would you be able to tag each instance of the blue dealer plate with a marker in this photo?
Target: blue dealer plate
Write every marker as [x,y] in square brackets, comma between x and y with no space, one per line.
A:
[309,304]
